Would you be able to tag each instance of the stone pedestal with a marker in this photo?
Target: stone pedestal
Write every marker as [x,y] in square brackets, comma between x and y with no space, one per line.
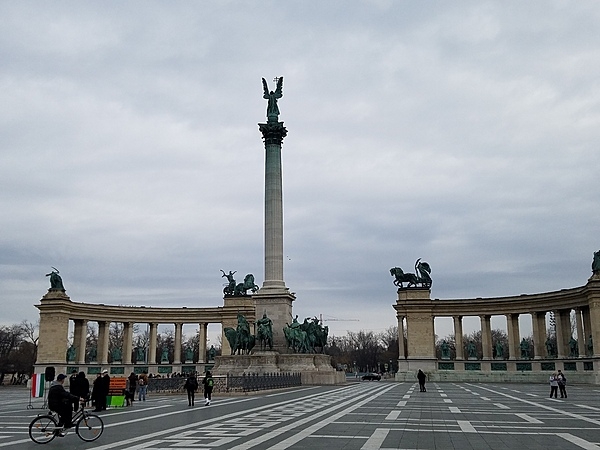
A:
[314,369]
[54,327]
[277,304]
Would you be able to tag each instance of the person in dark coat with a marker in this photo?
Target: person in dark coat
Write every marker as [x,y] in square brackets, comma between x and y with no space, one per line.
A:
[191,385]
[80,387]
[562,384]
[60,401]
[131,386]
[421,377]
[95,389]
[101,387]
[73,388]
[208,384]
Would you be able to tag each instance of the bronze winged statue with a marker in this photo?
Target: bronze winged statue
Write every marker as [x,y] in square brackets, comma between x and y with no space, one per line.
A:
[272,97]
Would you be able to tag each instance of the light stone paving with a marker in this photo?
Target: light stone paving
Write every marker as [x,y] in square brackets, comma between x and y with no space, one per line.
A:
[360,415]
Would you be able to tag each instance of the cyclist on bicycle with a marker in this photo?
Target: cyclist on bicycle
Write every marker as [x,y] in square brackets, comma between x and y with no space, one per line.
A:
[60,401]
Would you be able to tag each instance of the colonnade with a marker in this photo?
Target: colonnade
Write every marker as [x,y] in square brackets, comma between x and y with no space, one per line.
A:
[102,357]
[563,330]
[57,312]
[416,313]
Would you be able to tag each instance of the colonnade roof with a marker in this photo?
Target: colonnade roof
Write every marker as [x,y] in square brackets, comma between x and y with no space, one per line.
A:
[141,314]
[518,304]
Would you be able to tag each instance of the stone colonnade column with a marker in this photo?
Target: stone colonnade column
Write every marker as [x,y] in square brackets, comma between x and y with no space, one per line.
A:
[127,342]
[538,321]
[177,349]
[593,295]
[486,336]
[401,349]
[562,341]
[152,343]
[512,325]
[202,331]
[103,327]
[458,337]
[79,339]
[587,326]
[580,334]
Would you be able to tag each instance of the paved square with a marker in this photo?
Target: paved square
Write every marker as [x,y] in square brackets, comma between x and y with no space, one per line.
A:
[359,415]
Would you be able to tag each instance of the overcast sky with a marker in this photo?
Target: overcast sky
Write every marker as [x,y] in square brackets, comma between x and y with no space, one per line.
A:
[462,133]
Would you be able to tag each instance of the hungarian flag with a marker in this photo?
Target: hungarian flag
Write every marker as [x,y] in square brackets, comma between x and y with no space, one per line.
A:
[37,385]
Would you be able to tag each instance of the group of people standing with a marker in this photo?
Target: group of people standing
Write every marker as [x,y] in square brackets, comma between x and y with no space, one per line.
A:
[191,386]
[136,382]
[558,382]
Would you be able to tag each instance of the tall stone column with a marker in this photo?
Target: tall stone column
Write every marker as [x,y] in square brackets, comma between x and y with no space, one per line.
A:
[458,337]
[152,343]
[562,338]
[202,343]
[486,336]
[103,342]
[401,349]
[177,349]
[538,321]
[587,325]
[274,297]
[127,349]
[79,339]
[580,333]
[512,325]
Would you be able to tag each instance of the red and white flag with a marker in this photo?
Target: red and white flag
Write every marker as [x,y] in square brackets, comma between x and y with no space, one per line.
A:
[37,385]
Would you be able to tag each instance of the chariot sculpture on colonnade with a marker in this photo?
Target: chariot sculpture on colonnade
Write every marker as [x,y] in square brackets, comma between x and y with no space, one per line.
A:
[420,277]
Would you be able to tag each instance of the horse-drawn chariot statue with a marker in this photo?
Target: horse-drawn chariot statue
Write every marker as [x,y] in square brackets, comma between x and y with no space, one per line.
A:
[420,277]
[238,289]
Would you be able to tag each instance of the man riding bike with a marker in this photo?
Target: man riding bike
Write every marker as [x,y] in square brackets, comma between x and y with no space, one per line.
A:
[60,401]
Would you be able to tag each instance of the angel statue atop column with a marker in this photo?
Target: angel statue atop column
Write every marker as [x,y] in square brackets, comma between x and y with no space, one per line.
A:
[272,96]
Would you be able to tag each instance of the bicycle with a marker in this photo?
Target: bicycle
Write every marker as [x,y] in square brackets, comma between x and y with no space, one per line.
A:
[44,428]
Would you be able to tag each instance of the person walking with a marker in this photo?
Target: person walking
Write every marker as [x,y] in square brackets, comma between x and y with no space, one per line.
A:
[132,385]
[421,377]
[553,384]
[142,387]
[562,384]
[208,384]
[73,388]
[96,390]
[191,385]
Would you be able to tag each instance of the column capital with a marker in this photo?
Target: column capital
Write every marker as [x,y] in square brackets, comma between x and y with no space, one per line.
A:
[273,132]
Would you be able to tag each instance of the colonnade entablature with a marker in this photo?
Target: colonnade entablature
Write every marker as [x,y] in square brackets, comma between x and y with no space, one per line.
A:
[416,313]
[58,313]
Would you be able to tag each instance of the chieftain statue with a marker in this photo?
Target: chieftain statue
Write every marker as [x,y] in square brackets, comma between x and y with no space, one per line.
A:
[306,337]
[596,263]
[56,283]
[421,276]
[240,340]
[264,333]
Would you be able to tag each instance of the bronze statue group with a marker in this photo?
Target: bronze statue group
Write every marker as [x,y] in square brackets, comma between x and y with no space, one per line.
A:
[306,337]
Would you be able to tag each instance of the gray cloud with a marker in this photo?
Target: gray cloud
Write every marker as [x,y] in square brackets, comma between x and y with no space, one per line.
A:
[462,134]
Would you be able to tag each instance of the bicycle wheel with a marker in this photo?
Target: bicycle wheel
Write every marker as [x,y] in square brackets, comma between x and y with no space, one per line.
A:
[42,429]
[89,427]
